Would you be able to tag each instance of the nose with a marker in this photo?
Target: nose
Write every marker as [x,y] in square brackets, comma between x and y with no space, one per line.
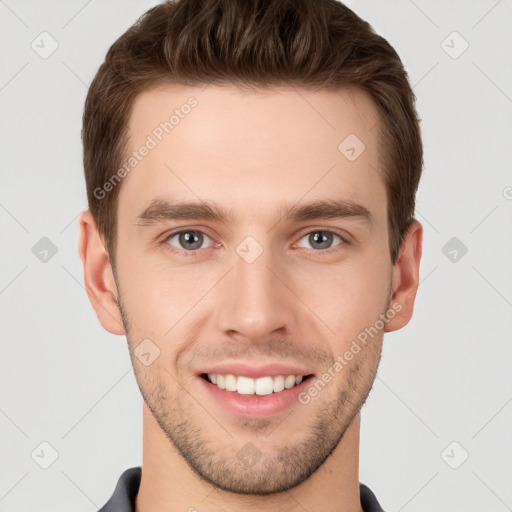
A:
[256,300]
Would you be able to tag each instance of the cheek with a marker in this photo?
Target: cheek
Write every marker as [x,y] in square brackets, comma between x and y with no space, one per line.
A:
[349,298]
[158,296]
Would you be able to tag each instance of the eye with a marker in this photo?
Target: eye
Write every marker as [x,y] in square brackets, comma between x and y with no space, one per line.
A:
[191,240]
[188,239]
[321,239]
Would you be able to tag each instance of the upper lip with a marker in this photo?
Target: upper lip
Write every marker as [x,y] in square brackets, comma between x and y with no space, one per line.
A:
[248,370]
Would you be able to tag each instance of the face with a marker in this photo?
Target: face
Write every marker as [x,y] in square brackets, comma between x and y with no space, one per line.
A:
[253,252]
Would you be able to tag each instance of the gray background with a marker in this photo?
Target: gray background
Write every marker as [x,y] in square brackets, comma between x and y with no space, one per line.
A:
[444,389]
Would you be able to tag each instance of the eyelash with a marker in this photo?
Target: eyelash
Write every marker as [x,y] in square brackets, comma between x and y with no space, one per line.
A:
[194,253]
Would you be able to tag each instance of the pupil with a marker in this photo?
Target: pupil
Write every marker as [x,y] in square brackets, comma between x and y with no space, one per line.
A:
[322,238]
[191,237]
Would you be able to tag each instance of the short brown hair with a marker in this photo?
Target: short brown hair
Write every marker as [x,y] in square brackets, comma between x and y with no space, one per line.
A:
[252,43]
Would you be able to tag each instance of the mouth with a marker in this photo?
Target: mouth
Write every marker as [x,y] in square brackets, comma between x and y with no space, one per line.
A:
[251,391]
[261,386]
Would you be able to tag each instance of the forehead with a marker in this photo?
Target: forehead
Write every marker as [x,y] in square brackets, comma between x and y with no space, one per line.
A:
[225,145]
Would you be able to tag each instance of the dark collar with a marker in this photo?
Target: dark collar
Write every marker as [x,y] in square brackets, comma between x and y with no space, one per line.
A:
[123,499]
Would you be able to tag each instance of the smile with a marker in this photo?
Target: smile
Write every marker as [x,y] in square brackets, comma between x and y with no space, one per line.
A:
[248,386]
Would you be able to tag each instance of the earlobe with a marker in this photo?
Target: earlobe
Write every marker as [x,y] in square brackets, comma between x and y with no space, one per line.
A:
[98,276]
[406,277]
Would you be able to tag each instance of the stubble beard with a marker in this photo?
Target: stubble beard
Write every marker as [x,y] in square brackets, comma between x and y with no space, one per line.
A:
[286,467]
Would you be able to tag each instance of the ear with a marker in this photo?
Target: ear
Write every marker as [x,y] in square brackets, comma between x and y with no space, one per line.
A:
[98,276]
[405,278]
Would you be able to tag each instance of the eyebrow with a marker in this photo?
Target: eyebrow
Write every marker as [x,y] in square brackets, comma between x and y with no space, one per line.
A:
[160,210]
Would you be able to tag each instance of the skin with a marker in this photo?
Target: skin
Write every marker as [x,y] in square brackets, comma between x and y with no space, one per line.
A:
[298,302]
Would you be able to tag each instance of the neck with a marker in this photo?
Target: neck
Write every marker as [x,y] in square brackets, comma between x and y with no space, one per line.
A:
[169,483]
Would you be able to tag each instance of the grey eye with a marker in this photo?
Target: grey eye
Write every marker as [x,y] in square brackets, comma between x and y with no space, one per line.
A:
[321,239]
[189,239]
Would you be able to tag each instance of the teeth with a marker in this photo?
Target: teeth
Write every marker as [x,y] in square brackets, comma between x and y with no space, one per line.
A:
[278,383]
[289,382]
[230,382]
[264,386]
[248,386]
[245,386]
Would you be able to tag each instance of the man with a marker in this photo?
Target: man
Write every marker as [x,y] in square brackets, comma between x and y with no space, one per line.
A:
[251,170]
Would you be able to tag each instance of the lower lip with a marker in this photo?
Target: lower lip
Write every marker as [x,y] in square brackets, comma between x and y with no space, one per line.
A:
[255,406]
